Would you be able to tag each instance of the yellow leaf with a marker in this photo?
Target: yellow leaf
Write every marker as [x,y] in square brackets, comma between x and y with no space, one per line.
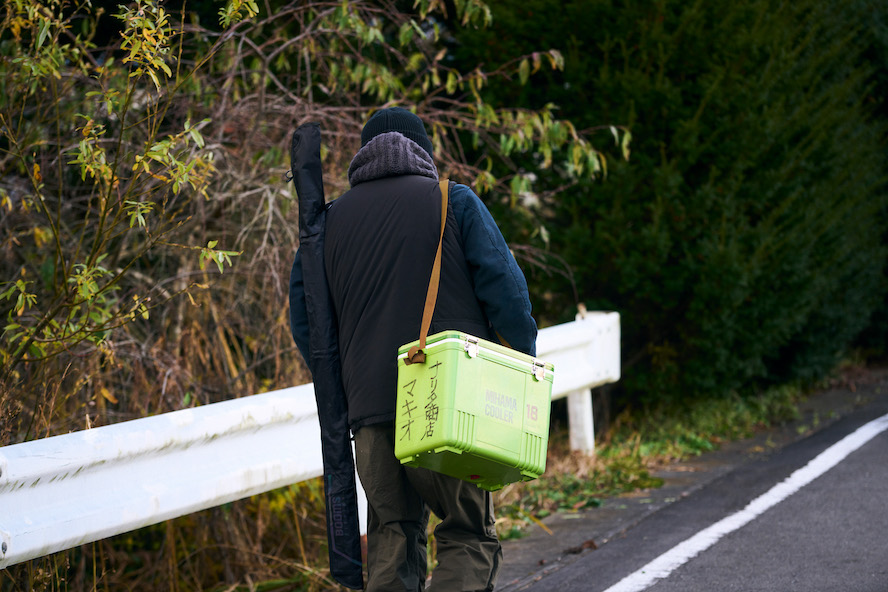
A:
[524,71]
[41,236]
[107,394]
[451,82]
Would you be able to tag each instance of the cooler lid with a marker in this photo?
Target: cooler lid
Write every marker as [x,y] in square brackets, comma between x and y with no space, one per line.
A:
[486,350]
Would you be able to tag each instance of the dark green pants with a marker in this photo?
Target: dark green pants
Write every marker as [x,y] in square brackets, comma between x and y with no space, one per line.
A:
[399,499]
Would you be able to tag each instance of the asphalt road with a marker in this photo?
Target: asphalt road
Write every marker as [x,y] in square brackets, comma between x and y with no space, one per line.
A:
[819,521]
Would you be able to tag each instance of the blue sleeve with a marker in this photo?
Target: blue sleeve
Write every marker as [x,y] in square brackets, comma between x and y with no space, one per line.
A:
[298,312]
[499,283]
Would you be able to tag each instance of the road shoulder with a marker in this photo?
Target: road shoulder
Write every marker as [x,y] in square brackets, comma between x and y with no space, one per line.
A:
[530,559]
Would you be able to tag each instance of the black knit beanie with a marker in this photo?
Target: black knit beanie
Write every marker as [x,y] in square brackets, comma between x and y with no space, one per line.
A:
[396,119]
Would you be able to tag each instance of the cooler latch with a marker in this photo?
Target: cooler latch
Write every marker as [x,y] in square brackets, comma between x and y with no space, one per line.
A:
[539,370]
[471,346]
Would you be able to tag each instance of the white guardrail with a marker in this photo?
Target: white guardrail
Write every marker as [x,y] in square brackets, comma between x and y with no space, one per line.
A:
[61,492]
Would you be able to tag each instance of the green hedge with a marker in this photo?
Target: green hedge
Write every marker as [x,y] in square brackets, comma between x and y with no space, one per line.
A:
[743,243]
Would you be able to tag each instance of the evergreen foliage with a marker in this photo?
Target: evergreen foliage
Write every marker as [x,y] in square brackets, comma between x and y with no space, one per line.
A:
[744,241]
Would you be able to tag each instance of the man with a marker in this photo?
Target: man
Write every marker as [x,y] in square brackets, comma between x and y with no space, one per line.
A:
[380,244]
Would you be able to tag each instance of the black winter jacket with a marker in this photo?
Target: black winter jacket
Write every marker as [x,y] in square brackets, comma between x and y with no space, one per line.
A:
[381,238]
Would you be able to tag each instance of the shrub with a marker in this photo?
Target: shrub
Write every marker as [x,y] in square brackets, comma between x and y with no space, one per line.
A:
[142,149]
[742,243]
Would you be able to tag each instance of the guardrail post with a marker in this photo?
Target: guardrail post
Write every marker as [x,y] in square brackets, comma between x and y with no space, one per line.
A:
[582,428]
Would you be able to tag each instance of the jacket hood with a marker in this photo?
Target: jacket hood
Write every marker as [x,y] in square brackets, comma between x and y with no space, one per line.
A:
[389,155]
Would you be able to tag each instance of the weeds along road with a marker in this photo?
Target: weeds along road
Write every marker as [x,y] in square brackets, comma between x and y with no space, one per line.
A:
[809,516]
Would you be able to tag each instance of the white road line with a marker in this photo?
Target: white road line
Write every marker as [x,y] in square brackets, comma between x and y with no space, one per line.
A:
[671,560]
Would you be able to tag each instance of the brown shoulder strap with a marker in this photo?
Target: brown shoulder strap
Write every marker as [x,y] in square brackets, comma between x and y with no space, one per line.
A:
[416,355]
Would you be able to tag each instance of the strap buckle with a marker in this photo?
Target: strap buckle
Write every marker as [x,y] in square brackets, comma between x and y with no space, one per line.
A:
[415,356]
[539,370]
[471,346]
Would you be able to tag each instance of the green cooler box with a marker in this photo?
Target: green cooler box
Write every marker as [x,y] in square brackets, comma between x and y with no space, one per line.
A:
[474,410]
